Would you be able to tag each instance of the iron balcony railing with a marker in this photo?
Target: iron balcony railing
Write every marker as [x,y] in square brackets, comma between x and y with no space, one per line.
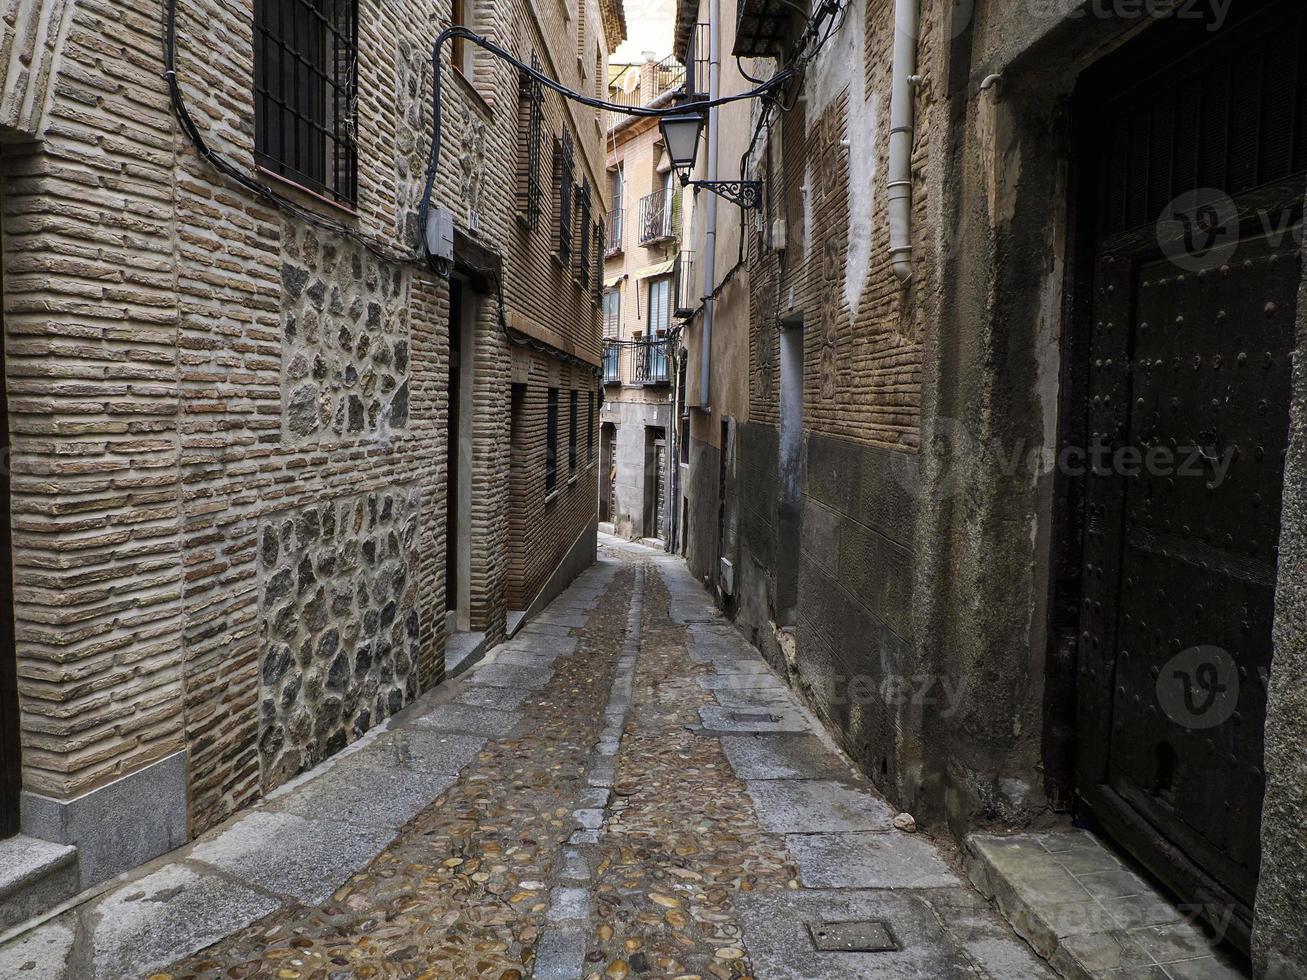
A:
[643,361]
[656,216]
[685,297]
[614,224]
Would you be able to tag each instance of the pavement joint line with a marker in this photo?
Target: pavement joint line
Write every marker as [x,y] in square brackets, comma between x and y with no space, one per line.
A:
[553,945]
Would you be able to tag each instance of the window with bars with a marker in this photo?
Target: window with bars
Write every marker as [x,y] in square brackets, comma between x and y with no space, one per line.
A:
[572,442]
[599,263]
[305,87]
[583,251]
[551,443]
[563,157]
[530,120]
[589,426]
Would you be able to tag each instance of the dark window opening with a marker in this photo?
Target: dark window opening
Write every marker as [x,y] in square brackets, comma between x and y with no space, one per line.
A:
[590,427]
[563,156]
[571,432]
[583,252]
[551,443]
[530,120]
[305,88]
[458,45]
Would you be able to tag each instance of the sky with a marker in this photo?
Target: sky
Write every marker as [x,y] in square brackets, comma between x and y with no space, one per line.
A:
[649,25]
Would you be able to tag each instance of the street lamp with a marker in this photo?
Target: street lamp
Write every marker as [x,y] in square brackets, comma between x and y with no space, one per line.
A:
[681,138]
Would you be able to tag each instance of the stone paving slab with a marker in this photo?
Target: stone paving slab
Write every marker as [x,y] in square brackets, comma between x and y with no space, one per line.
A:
[561,617]
[716,718]
[869,860]
[1087,913]
[742,681]
[365,793]
[541,644]
[510,675]
[782,757]
[139,928]
[418,748]
[41,954]
[776,933]
[290,855]
[761,698]
[537,628]
[814,806]
[499,698]
[470,719]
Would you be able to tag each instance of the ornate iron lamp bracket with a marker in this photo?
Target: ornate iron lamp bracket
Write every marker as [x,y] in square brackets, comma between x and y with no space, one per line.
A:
[746,193]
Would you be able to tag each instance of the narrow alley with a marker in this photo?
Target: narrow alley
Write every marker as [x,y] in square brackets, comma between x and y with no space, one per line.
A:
[623,790]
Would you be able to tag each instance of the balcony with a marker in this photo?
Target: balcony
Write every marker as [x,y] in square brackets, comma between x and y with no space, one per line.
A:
[636,363]
[615,227]
[685,296]
[696,68]
[656,223]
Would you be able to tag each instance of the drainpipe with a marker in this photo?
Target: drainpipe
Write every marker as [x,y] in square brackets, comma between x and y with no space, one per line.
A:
[907,19]
[710,215]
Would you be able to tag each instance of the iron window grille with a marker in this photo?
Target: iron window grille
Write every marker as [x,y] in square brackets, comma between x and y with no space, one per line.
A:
[683,277]
[656,216]
[530,121]
[583,216]
[590,427]
[612,361]
[572,441]
[305,93]
[551,443]
[696,63]
[599,263]
[563,157]
[613,245]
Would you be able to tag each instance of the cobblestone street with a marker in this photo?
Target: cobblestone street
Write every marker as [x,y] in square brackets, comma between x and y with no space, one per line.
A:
[624,789]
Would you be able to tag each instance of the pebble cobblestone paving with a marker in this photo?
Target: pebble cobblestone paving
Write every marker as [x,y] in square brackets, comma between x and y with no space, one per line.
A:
[610,830]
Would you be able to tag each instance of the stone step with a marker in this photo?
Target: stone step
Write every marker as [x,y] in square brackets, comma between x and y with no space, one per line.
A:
[35,876]
[1089,913]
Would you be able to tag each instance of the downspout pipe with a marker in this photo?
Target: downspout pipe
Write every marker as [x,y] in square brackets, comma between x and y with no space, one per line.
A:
[710,210]
[902,111]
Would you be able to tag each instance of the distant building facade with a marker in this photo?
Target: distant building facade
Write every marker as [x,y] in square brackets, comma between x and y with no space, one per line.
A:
[643,267]
[266,465]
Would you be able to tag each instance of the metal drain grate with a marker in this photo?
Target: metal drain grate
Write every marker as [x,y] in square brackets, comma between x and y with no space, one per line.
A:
[860,936]
[753,717]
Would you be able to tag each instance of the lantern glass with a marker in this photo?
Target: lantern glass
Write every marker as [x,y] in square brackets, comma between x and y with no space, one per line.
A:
[681,137]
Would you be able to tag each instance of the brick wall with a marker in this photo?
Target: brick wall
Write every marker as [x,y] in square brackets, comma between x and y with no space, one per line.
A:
[195,377]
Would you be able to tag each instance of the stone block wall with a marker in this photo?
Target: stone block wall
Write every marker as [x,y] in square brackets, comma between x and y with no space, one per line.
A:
[339,610]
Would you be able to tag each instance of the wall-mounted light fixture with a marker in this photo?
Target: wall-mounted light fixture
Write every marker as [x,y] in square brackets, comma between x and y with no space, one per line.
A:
[681,137]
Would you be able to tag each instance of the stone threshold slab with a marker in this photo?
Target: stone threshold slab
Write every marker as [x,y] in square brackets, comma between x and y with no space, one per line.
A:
[1090,915]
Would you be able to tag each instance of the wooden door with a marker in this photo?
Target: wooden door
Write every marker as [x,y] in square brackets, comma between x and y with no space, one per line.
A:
[1197,169]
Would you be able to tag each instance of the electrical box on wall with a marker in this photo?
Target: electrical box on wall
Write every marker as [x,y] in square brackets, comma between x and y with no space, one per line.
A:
[440,234]
[778,235]
[726,577]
